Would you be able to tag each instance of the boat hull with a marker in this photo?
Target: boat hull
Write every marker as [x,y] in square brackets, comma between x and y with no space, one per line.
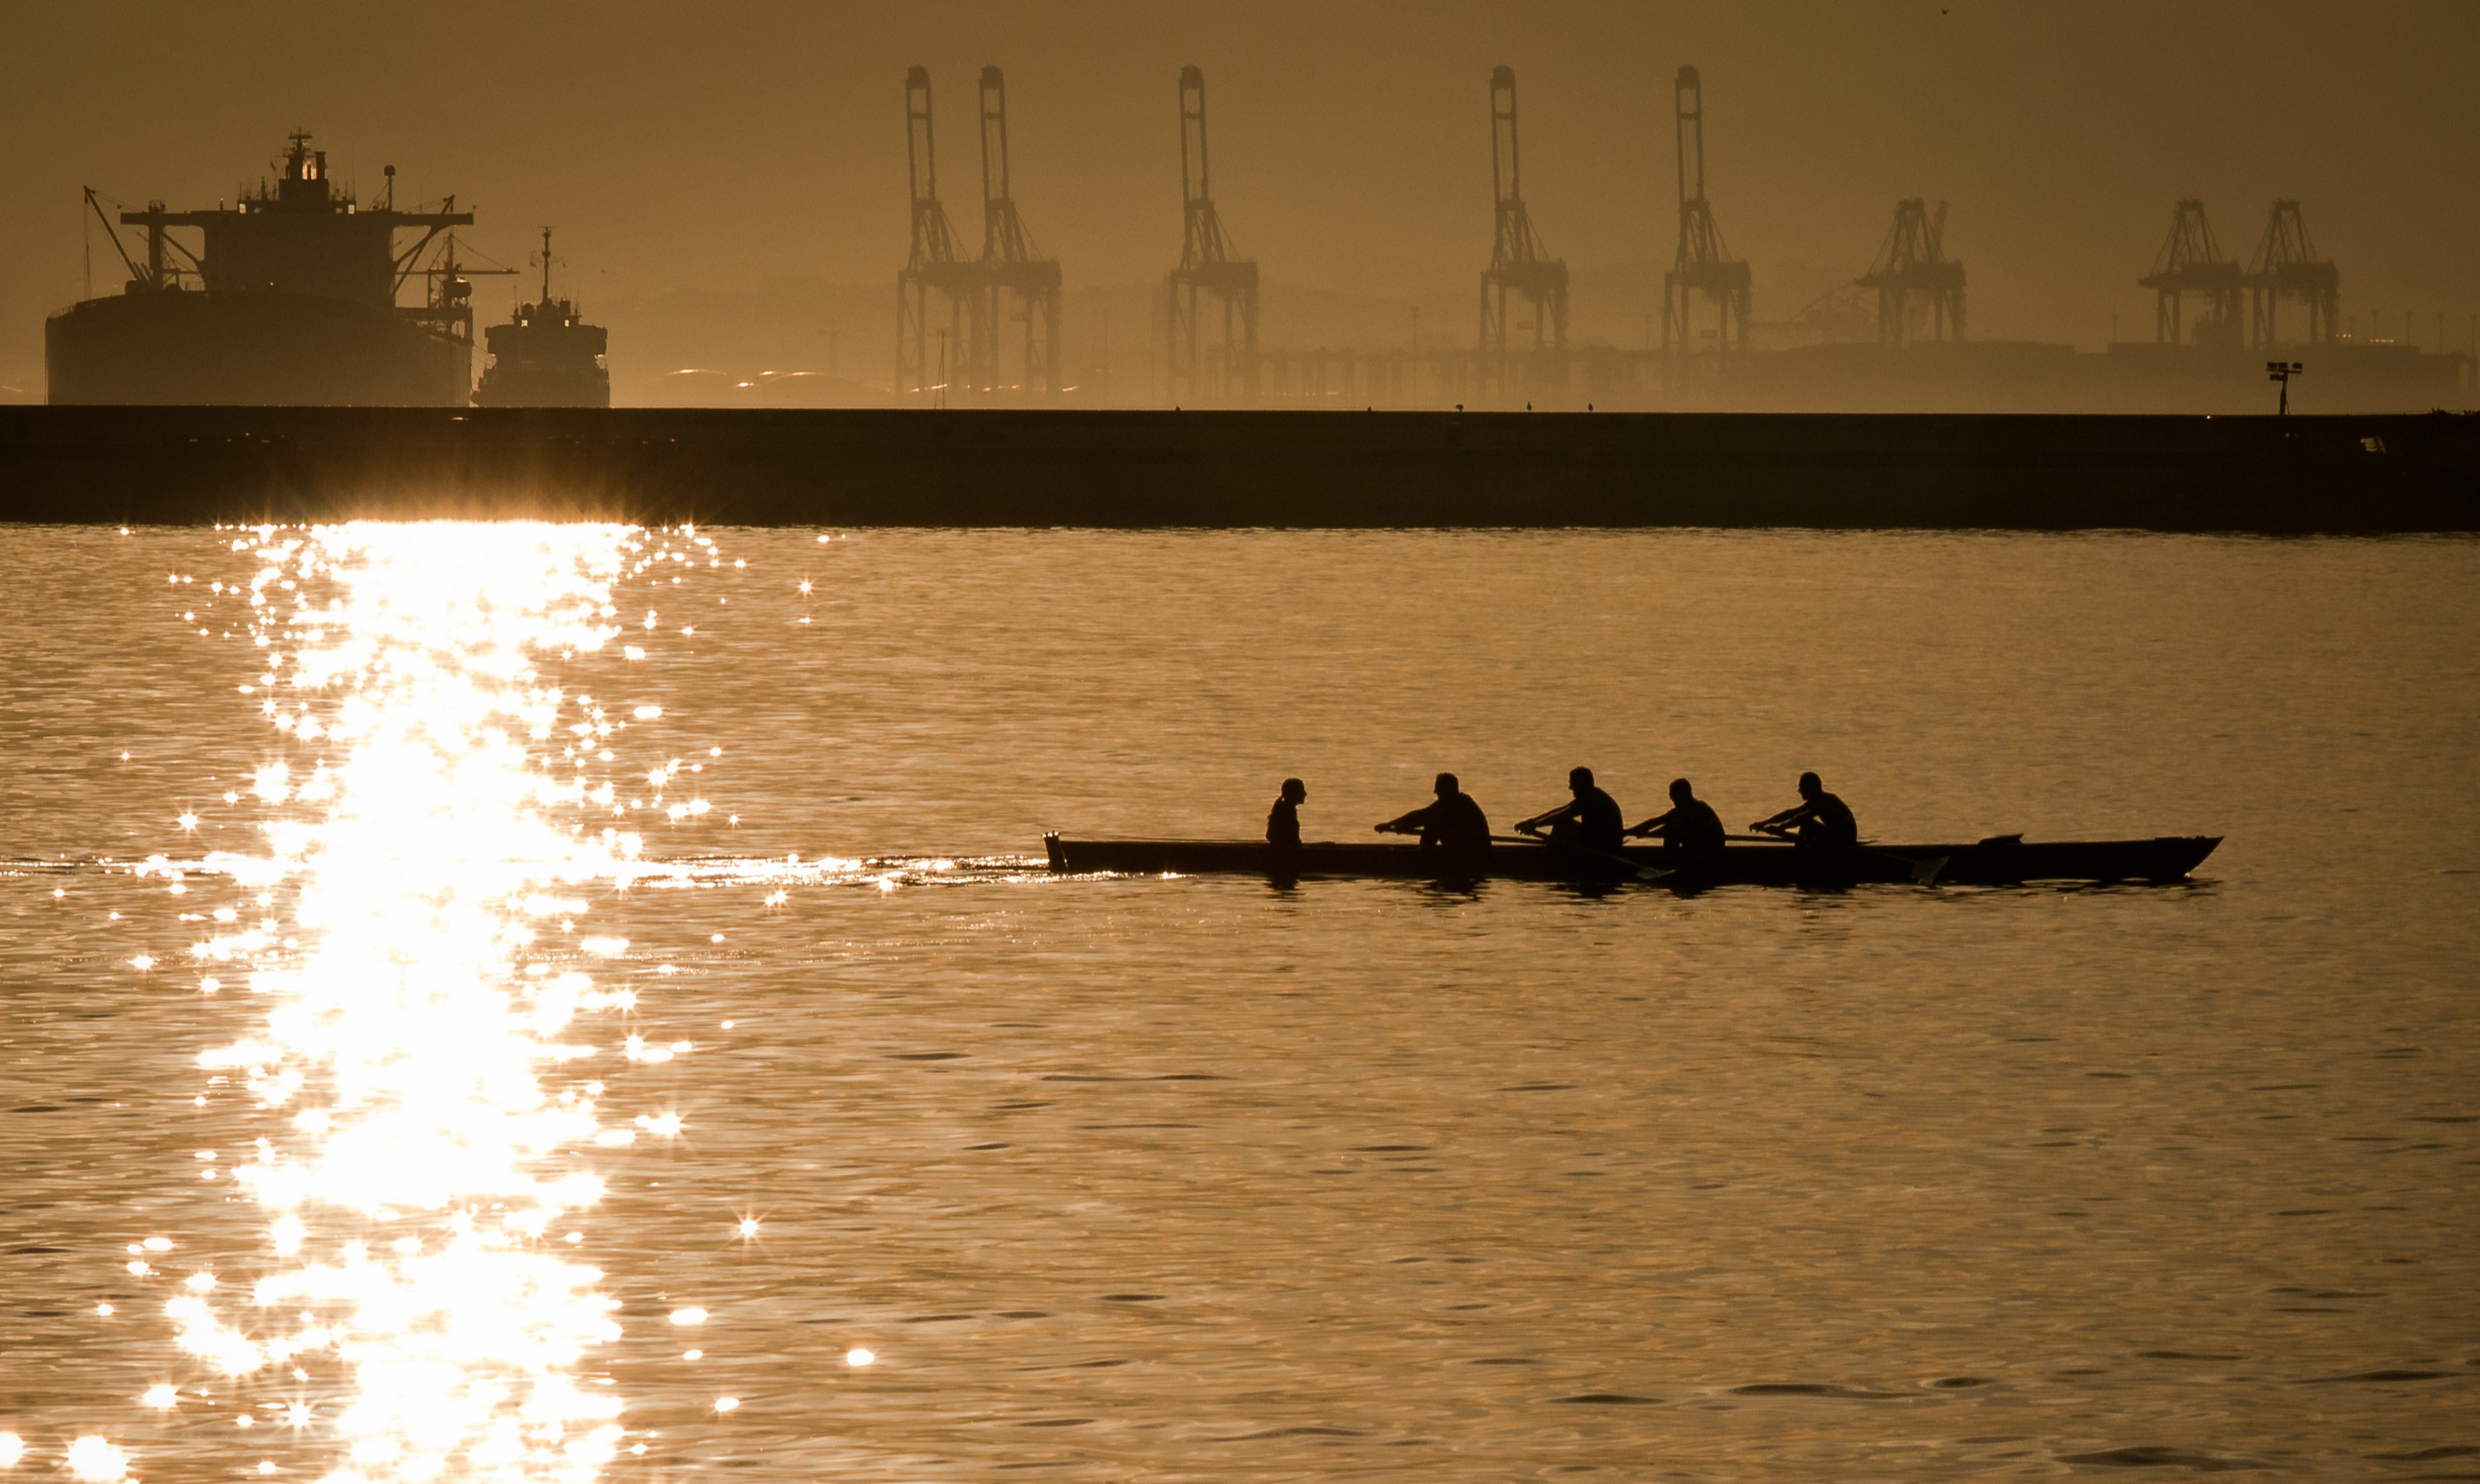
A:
[256,347]
[2002,862]
[550,362]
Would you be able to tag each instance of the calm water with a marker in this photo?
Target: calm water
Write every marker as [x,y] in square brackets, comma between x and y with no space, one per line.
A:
[1202,1180]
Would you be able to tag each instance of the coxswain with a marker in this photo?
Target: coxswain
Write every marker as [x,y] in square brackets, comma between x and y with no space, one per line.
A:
[1455,821]
[1284,820]
[1822,820]
[1690,823]
[1589,821]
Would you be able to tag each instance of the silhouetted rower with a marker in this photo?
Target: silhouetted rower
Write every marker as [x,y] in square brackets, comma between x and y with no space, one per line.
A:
[1455,821]
[1690,823]
[1284,820]
[1591,820]
[1821,819]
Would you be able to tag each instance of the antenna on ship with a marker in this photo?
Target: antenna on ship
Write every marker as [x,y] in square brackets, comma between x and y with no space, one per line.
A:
[546,268]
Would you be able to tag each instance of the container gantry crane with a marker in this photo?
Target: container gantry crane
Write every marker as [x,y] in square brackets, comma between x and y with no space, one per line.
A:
[1702,265]
[1517,265]
[938,281]
[2286,267]
[1018,285]
[2191,262]
[1913,261]
[1209,277]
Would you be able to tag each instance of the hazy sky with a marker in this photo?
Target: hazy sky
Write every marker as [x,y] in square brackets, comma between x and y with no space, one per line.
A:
[720,145]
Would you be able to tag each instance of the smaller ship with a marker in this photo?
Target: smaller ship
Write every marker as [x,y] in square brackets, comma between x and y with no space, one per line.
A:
[545,355]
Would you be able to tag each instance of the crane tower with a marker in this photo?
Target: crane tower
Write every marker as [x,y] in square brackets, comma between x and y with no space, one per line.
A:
[938,282]
[1018,285]
[1913,261]
[1208,276]
[1702,267]
[2286,267]
[2191,262]
[1516,265]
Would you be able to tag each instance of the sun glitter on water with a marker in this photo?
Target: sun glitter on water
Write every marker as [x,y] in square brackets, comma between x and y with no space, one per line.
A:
[441,813]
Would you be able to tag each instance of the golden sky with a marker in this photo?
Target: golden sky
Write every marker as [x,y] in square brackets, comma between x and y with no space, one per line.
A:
[721,146]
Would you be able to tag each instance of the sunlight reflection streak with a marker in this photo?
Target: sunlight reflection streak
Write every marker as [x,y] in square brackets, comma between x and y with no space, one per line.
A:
[425,823]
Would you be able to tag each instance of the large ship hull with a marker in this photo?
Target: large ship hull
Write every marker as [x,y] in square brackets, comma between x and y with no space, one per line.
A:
[263,347]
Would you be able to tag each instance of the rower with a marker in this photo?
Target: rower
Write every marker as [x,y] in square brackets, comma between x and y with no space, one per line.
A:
[1690,823]
[1455,821]
[1284,820]
[1589,821]
[1823,820]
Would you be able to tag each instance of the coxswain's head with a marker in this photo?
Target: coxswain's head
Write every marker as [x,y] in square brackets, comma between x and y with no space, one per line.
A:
[1580,778]
[1294,790]
[1680,792]
[1809,786]
[1447,785]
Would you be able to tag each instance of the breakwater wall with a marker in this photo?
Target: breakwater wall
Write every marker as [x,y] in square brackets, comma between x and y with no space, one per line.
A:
[962,468]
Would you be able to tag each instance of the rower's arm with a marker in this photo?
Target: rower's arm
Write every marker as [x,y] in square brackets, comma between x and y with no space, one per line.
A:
[1785,818]
[1406,823]
[1659,824]
[1564,811]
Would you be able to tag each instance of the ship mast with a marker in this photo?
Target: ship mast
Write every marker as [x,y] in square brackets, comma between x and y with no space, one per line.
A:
[546,268]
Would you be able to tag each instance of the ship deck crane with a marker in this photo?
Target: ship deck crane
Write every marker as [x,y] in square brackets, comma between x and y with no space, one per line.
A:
[1017,283]
[2191,262]
[1209,275]
[1517,265]
[153,274]
[1702,266]
[1912,260]
[448,306]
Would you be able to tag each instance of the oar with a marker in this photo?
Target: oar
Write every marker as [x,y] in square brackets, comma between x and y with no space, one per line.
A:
[1923,872]
[1641,873]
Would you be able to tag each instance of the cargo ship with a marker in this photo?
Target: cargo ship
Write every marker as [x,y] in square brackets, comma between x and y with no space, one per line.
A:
[288,297]
[545,355]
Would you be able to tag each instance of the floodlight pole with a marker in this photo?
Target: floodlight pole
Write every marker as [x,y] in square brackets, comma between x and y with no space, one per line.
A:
[2280,373]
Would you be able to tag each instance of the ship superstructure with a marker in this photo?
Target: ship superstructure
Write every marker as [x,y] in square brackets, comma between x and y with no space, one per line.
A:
[288,296]
[545,355]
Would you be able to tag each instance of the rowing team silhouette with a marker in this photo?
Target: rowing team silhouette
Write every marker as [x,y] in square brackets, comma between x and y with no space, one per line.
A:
[1591,820]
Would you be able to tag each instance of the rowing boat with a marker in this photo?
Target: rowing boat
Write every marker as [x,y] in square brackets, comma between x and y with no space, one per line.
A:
[2002,861]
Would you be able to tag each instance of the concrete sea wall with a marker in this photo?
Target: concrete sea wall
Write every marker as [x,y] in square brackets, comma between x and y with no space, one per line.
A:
[2358,474]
